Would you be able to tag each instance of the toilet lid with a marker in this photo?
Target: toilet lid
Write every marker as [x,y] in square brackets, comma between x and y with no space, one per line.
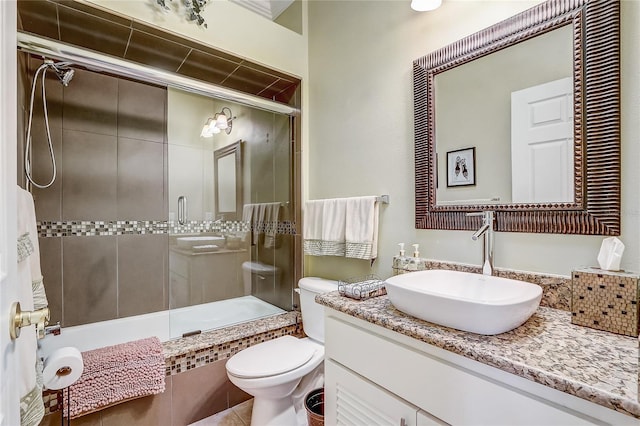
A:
[270,358]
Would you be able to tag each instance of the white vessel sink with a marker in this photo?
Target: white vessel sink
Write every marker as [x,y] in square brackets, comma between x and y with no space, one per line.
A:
[470,302]
[190,242]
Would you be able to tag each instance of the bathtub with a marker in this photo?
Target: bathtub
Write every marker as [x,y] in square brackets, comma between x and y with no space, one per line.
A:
[165,325]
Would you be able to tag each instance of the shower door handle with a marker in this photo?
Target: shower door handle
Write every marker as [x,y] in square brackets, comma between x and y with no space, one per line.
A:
[182,210]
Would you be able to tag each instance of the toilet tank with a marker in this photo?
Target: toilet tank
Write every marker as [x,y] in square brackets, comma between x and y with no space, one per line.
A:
[312,312]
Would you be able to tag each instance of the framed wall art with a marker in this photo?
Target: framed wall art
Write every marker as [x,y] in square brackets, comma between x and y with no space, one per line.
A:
[461,167]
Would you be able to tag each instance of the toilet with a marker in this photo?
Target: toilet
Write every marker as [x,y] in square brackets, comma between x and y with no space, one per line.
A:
[270,371]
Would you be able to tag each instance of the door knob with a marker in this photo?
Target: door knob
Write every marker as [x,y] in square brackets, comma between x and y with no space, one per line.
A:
[19,318]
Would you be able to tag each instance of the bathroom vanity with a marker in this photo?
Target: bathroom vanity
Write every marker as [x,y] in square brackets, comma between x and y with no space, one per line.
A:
[385,367]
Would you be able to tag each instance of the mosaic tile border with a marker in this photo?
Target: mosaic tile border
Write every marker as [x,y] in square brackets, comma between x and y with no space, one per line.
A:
[84,228]
[187,353]
[556,289]
[199,358]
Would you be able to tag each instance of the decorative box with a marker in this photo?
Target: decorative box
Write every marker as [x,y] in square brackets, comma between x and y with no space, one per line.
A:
[605,300]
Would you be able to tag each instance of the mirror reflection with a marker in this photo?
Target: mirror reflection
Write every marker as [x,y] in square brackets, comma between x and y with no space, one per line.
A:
[511,113]
[228,187]
[224,243]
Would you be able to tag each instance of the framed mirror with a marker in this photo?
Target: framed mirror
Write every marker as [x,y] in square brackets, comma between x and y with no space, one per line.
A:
[536,99]
[228,181]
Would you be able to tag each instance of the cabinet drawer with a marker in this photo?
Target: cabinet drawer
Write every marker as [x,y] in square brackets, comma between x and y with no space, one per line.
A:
[449,392]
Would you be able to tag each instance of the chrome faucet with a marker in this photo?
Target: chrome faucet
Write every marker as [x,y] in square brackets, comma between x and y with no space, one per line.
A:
[486,230]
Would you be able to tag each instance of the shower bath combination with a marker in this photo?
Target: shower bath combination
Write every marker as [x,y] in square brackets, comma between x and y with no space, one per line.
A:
[64,74]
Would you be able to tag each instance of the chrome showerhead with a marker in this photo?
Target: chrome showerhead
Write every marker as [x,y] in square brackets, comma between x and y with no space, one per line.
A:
[66,76]
[62,70]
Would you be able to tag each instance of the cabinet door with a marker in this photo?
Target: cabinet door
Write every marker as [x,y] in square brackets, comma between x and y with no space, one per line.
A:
[352,400]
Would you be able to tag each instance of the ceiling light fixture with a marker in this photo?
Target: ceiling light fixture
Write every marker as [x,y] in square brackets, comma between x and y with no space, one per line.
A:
[425,5]
[222,120]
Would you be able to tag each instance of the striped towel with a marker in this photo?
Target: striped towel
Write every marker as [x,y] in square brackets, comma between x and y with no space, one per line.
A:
[118,373]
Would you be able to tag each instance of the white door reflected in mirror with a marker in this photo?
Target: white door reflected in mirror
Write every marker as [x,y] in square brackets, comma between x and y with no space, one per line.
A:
[542,143]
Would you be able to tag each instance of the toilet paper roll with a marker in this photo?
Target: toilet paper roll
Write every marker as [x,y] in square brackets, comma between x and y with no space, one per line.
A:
[62,368]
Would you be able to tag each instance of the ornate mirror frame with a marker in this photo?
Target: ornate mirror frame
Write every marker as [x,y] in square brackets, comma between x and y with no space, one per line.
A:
[596,42]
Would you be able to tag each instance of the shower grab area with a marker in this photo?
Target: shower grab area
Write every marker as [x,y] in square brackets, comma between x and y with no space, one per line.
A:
[149,225]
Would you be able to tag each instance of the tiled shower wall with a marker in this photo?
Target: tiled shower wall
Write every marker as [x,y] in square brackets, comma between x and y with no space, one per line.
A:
[109,140]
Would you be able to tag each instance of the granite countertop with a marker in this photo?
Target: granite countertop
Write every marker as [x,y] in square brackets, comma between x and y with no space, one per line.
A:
[598,366]
[207,339]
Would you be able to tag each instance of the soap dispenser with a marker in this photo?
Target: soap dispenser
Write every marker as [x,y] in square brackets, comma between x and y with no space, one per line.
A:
[415,260]
[400,261]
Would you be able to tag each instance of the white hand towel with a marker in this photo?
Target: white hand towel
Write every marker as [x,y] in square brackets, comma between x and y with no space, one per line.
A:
[272,215]
[249,216]
[259,215]
[312,220]
[247,213]
[324,227]
[361,231]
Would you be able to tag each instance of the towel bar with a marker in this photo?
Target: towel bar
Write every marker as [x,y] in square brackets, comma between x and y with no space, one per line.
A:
[384,199]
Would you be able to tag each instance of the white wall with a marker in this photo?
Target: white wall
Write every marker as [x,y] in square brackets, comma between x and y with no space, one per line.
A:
[361,130]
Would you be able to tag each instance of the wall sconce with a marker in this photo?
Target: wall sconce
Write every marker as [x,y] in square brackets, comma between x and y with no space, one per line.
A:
[222,120]
[425,5]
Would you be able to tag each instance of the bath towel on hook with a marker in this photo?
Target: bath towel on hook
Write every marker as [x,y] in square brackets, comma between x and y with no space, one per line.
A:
[116,374]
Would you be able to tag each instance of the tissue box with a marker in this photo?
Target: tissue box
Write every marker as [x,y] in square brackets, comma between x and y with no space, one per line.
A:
[605,300]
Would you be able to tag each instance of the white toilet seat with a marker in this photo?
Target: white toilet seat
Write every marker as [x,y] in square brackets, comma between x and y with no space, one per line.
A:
[297,373]
[271,358]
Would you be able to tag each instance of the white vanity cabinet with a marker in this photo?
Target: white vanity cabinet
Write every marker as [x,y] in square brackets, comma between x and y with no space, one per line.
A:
[374,376]
[356,401]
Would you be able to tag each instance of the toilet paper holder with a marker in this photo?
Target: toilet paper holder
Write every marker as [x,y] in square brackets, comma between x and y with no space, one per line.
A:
[19,318]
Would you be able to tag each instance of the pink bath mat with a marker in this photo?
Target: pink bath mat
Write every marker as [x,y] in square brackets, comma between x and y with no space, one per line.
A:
[118,373]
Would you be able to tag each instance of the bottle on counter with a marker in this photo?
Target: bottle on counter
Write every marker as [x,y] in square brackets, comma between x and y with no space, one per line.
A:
[400,261]
[415,260]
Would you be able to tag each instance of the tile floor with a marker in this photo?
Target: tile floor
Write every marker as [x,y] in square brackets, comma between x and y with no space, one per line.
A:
[239,415]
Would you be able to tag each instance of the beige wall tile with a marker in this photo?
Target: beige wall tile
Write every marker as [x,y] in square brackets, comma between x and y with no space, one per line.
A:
[90,274]
[141,111]
[152,410]
[142,281]
[199,393]
[91,103]
[141,186]
[89,176]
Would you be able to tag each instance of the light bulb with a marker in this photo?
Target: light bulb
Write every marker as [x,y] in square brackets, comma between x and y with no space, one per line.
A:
[206,133]
[221,122]
[206,129]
